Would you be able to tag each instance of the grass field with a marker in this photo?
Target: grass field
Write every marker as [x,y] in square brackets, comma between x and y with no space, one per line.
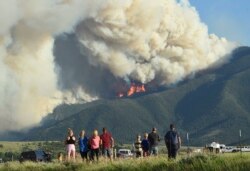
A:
[211,162]
[227,162]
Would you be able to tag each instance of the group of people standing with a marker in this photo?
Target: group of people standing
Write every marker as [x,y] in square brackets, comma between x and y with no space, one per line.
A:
[149,144]
[89,147]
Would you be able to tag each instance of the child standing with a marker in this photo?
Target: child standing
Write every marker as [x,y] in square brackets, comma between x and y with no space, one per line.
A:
[145,145]
[138,148]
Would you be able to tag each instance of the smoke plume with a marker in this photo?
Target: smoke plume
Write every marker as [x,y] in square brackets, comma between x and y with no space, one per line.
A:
[71,51]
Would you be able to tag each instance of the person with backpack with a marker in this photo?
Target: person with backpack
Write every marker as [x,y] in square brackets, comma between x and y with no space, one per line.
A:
[172,141]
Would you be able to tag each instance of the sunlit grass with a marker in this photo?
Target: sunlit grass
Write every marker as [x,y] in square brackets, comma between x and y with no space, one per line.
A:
[228,162]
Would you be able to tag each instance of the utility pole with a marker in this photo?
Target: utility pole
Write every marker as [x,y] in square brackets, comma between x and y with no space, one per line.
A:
[188,150]
[240,142]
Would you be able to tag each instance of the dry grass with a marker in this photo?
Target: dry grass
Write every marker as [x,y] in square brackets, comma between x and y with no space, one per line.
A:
[229,162]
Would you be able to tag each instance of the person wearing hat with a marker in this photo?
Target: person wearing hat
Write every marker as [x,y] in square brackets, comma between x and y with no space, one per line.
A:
[154,140]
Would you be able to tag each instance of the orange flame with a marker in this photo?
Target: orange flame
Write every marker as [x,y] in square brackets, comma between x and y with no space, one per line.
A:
[135,89]
[132,90]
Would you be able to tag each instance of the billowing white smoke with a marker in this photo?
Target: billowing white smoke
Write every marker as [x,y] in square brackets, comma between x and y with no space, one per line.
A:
[147,40]
[158,40]
[28,79]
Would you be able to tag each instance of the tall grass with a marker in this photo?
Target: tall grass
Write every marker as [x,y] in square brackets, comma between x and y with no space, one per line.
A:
[229,162]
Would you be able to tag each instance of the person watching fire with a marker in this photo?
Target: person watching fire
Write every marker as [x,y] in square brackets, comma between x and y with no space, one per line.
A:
[70,145]
[107,142]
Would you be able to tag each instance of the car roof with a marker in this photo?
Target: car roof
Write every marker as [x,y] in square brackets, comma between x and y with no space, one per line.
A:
[124,149]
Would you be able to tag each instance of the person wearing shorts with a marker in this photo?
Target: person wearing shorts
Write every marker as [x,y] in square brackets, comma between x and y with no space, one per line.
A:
[70,145]
[107,142]
[153,139]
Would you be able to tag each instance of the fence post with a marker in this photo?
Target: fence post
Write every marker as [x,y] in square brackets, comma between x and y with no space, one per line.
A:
[114,155]
[240,142]
[188,149]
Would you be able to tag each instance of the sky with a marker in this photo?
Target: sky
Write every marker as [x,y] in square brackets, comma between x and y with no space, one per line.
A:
[226,18]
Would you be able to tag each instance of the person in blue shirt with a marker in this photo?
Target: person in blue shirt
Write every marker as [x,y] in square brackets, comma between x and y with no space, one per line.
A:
[145,145]
[83,145]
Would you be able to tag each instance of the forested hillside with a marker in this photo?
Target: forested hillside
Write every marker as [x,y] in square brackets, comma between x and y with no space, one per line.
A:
[211,107]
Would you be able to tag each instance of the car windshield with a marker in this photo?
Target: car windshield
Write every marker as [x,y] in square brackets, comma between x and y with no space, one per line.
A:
[124,152]
[39,154]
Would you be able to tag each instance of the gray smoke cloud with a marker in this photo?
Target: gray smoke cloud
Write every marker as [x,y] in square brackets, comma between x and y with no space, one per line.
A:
[161,39]
[28,79]
[71,51]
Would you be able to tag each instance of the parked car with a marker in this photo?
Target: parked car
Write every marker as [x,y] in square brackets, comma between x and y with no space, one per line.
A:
[214,146]
[245,149]
[36,156]
[229,149]
[124,153]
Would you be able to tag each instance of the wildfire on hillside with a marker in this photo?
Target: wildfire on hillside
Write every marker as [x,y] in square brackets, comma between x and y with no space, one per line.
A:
[133,89]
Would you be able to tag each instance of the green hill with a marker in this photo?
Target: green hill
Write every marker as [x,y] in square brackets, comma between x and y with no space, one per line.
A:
[211,107]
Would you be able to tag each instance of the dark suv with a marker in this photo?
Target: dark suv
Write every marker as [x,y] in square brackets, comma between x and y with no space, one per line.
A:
[36,156]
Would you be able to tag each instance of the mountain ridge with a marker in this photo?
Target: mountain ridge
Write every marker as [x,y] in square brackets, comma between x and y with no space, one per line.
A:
[213,106]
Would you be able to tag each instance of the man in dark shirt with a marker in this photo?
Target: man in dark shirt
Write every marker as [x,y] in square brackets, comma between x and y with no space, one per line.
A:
[172,141]
[153,139]
[107,143]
